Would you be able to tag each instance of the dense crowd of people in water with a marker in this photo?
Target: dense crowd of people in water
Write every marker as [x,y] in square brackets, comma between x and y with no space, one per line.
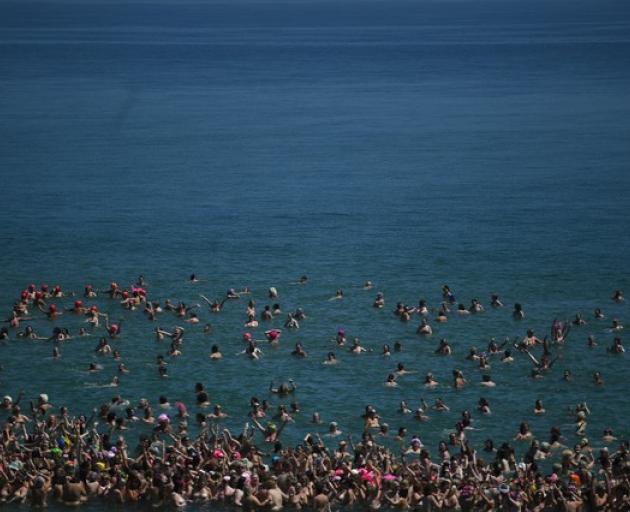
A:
[48,452]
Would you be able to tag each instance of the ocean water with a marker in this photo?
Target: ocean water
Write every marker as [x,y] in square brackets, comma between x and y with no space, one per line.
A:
[481,144]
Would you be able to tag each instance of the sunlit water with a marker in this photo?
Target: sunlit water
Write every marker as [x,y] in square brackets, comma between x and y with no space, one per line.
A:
[483,145]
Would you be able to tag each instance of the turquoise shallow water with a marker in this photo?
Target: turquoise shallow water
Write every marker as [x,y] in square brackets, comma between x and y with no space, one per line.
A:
[413,144]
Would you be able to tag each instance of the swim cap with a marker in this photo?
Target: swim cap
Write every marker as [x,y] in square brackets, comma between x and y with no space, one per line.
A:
[341,332]
[218,454]
[247,336]
[101,466]
[78,304]
[7,398]
[163,418]
[52,307]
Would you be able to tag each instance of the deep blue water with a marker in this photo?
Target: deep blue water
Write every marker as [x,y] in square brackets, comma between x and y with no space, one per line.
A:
[481,144]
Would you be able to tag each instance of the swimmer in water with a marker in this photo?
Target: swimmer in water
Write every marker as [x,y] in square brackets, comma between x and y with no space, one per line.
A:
[266,314]
[401,370]
[483,406]
[251,323]
[518,313]
[379,301]
[487,381]
[616,347]
[495,302]
[273,336]
[531,339]
[386,351]
[424,329]
[419,413]
[447,295]
[403,408]
[473,355]
[298,351]
[440,406]
[391,381]
[524,434]
[291,322]
[368,285]
[618,296]
[578,320]
[598,314]
[538,407]
[475,306]
[333,430]
[284,388]
[338,295]
[356,347]
[616,325]
[330,359]
[429,381]
[215,353]
[458,379]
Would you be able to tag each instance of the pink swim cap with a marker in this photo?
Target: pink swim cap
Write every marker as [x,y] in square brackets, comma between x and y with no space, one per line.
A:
[247,336]
[163,418]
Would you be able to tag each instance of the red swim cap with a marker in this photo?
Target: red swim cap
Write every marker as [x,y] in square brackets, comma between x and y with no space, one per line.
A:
[94,309]
[24,294]
[78,304]
[125,294]
[52,307]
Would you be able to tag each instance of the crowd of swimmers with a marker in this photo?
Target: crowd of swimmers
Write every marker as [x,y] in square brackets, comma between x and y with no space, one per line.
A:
[48,452]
